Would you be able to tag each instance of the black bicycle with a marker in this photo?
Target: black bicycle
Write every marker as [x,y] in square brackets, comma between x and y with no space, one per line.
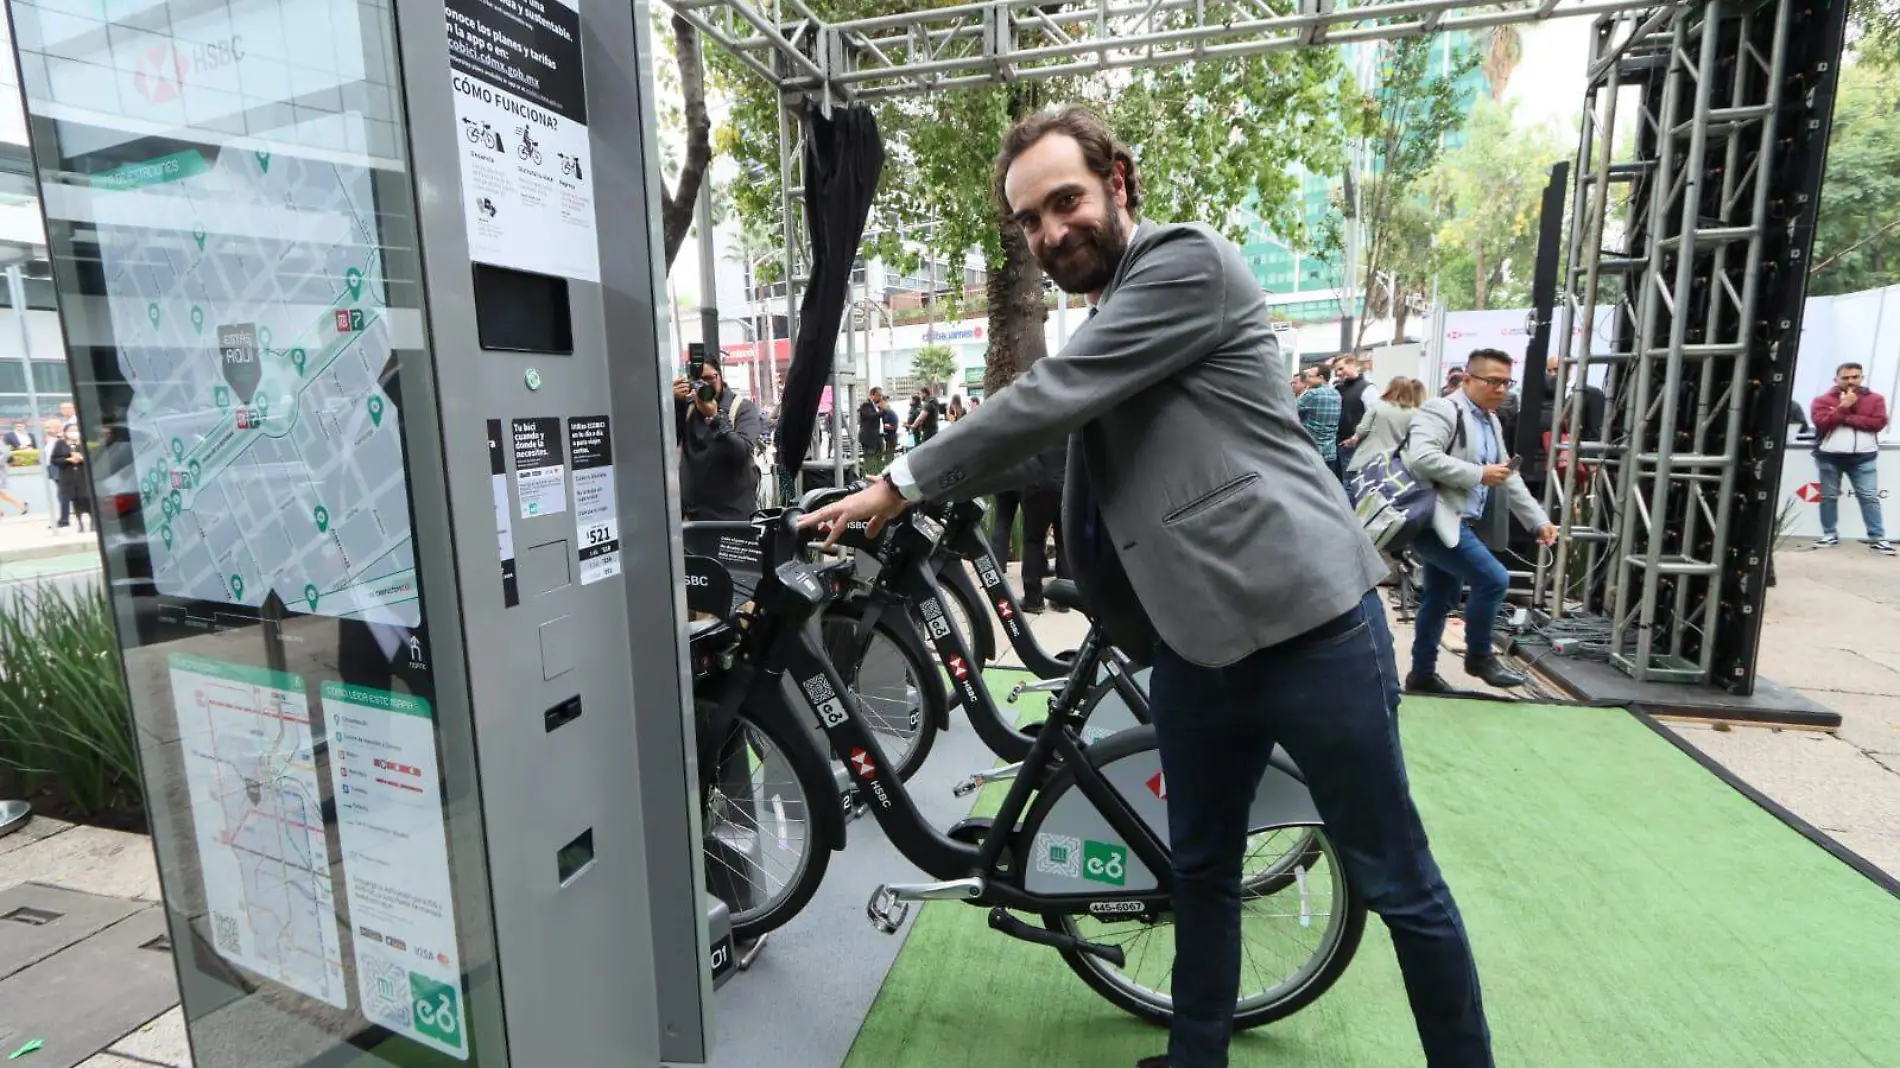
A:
[1080,842]
[906,588]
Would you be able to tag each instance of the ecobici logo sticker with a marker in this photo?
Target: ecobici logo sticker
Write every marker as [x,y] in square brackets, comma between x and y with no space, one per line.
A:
[934,622]
[438,1010]
[1073,858]
[1104,863]
[825,700]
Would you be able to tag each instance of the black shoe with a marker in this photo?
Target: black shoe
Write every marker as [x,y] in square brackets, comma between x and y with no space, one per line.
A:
[1433,682]
[1153,1062]
[1494,673]
[1034,608]
[1060,608]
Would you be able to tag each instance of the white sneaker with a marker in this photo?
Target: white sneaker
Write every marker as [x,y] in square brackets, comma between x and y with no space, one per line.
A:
[1881,546]
[1828,541]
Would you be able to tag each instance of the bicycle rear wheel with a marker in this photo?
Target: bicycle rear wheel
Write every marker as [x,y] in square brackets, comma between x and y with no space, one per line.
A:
[1298,934]
[764,847]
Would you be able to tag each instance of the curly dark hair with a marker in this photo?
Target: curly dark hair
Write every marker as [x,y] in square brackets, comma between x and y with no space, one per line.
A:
[1100,150]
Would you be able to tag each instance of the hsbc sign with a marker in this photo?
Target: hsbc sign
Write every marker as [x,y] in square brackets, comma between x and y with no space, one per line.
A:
[219,60]
[162,72]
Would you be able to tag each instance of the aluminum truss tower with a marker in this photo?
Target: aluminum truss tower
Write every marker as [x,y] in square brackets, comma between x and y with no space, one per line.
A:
[1701,243]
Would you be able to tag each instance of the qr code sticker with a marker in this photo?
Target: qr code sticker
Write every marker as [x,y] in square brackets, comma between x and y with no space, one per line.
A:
[818,690]
[224,934]
[386,997]
[1059,854]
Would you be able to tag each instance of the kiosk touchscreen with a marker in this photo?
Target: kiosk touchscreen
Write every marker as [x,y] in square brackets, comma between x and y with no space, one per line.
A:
[375,496]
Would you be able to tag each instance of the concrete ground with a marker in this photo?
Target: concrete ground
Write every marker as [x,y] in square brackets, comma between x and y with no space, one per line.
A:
[1833,631]
[33,537]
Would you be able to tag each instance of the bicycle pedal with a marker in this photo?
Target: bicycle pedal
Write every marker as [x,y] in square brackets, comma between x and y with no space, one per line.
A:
[887,913]
[968,786]
[1014,692]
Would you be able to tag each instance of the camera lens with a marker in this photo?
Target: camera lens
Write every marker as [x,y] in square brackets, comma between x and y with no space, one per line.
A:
[706,391]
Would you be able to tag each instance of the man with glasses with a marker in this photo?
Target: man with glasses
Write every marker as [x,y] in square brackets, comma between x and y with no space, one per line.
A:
[1457,445]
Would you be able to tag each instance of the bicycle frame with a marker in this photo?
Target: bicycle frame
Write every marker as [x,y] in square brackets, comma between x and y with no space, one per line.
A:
[963,539]
[796,651]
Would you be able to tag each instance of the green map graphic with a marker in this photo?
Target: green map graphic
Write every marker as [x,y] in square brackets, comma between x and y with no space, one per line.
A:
[247,302]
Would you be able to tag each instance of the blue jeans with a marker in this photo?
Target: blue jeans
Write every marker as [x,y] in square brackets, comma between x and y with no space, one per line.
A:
[1861,476]
[1448,570]
[1330,698]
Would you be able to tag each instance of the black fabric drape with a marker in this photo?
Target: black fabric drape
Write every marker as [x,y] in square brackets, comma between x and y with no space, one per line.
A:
[844,156]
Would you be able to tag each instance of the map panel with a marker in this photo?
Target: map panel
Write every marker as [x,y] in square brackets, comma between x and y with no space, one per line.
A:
[245,736]
[248,304]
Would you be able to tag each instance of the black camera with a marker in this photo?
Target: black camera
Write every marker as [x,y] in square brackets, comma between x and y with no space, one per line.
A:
[705,391]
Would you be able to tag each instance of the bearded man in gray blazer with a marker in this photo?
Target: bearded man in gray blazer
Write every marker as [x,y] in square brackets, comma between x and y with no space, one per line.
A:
[1457,444]
[1208,536]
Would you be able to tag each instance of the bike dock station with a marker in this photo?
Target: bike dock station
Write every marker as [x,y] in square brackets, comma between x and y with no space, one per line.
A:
[377,334]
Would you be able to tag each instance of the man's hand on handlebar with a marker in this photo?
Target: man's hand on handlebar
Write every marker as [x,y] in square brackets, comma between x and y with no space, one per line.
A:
[874,504]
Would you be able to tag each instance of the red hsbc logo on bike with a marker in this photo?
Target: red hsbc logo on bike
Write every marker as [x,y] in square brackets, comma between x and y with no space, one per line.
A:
[959,668]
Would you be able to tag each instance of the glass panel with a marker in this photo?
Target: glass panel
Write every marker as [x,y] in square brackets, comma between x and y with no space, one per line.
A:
[12,376]
[18,408]
[230,202]
[51,377]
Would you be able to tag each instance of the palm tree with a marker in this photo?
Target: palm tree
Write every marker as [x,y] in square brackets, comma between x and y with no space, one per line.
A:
[1502,53]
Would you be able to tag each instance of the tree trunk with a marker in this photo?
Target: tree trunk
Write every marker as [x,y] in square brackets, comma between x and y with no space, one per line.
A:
[1016,314]
[676,204]
[1480,281]
[1014,290]
[1400,312]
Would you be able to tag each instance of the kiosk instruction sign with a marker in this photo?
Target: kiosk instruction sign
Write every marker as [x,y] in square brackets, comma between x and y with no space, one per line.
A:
[521,108]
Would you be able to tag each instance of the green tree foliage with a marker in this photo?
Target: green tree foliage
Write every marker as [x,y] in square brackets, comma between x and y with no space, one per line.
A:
[1486,196]
[1205,135]
[934,365]
[1399,125]
[1857,236]
[1876,28]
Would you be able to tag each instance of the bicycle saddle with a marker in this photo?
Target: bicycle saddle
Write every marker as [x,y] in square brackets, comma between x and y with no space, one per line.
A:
[1066,593]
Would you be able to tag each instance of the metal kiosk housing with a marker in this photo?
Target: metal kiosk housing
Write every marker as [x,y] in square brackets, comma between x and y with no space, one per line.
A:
[207,170]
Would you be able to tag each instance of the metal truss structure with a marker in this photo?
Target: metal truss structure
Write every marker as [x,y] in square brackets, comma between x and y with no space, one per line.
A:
[1700,240]
[817,63]
[1668,517]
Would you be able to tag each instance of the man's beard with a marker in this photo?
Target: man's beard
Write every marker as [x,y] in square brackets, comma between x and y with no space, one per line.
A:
[1088,256]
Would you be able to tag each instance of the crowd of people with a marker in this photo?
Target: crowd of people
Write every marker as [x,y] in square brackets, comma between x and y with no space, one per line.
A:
[64,461]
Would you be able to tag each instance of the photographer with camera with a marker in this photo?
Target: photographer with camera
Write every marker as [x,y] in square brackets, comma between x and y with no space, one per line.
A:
[717,431]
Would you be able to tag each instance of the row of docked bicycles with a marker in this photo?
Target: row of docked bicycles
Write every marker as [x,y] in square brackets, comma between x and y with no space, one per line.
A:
[821,679]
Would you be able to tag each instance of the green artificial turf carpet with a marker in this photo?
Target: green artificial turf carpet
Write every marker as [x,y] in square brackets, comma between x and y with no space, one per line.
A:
[1628,909]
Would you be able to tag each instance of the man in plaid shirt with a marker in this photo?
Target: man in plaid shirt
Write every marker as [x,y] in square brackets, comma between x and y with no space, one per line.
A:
[1319,412]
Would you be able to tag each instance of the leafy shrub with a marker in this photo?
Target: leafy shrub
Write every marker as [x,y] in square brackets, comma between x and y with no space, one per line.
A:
[65,723]
[23,457]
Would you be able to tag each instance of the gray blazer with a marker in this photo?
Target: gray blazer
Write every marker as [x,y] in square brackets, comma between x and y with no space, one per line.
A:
[1454,474]
[1221,530]
[1382,431]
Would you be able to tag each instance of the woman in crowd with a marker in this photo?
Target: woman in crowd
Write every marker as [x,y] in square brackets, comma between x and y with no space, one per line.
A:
[956,408]
[1386,422]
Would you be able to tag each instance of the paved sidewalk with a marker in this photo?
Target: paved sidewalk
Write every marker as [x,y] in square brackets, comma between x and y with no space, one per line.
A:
[31,537]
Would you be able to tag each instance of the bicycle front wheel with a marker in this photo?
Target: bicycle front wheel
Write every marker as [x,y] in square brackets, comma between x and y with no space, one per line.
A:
[765,852]
[891,676]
